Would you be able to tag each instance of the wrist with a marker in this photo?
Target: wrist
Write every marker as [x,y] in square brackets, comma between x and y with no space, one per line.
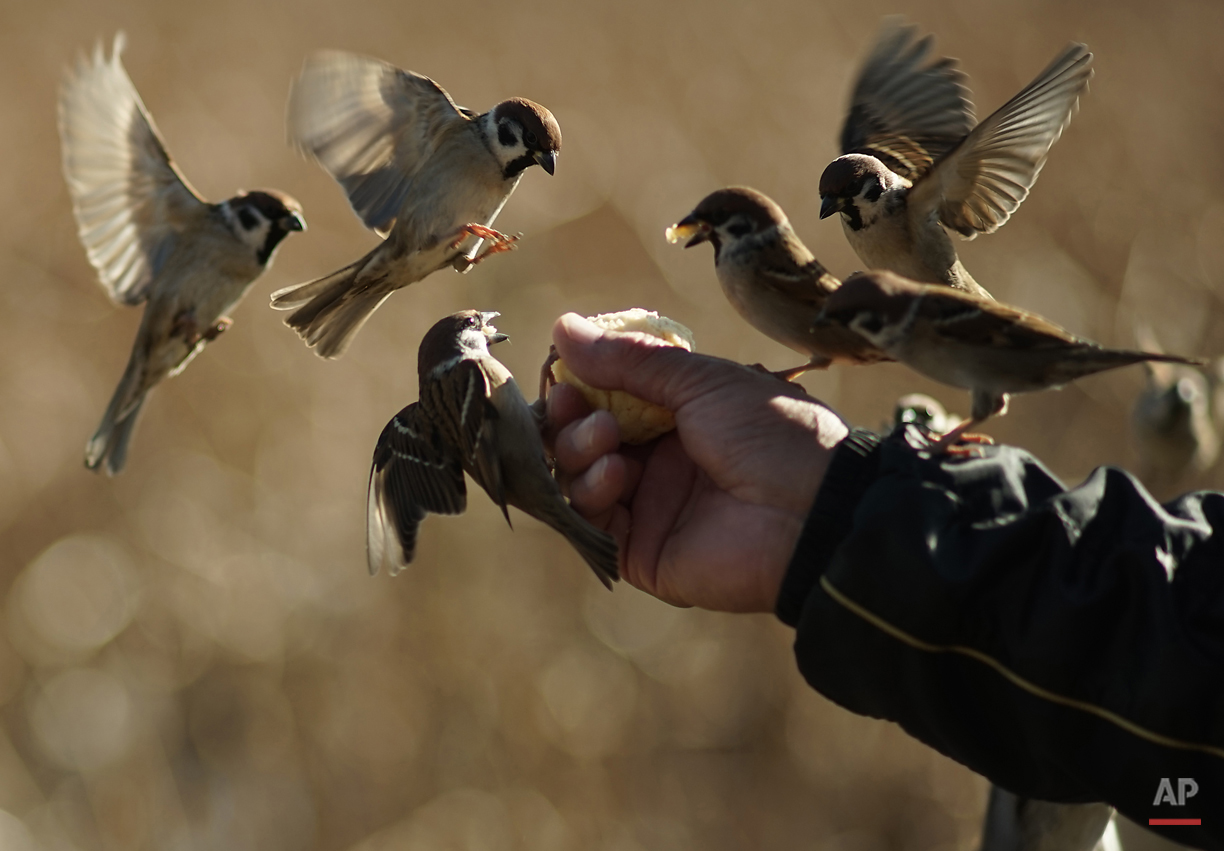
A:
[850,471]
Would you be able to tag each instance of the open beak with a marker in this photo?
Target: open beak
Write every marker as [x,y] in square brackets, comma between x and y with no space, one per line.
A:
[688,227]
[491,333]
[547,160]
[830,204]
[292,222]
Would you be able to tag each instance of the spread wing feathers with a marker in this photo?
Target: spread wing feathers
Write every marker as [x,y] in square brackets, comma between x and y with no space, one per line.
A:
[413,474]
[977,186]
[371,126]
[905,110]
[458,401]
[131,202]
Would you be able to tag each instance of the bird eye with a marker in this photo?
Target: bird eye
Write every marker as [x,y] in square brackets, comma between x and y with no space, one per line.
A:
[870,322]
[247,218]
[529,139]
[739,228]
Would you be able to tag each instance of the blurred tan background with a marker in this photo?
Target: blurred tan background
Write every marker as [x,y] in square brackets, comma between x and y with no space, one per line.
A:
[192,655]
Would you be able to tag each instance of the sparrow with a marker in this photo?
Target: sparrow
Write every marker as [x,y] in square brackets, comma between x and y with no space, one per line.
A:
[1171,418]
[770,277]
[470,416]
[914,166]
[423,173]
[153,239]
[968,341]
[921,410]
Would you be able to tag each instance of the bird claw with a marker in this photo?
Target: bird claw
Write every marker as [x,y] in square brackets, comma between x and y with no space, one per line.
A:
[547,379]
[498,241]
[953,443]
[218,328]
[495,243]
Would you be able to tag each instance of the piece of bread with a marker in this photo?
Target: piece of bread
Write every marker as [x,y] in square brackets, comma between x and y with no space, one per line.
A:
[639,421]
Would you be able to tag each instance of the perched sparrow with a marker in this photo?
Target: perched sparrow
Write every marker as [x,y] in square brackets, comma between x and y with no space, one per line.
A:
[988,348]
[770,277]
[1171,419]
[913,164]
[921,410]
[152,238]
[471,416]
[424,173]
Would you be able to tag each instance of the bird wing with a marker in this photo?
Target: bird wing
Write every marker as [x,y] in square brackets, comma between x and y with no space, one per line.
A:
[371,126]
[131,201]
[906,111]
[975,321]
[789,268]
[413,474]
[458,400]
[977,186]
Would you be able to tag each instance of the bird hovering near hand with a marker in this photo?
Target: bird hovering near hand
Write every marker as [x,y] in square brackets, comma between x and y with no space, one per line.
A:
[770,277]
[153,239]
[471,416]
[981,345]
[427,175]
[914,166]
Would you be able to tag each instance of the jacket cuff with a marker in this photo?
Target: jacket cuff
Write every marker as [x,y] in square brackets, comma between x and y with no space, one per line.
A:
[851,471]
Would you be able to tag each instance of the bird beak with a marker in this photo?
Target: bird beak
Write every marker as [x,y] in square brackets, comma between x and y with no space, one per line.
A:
[292,222]
[830,204]
[687,227]
[491,333]
[547,160]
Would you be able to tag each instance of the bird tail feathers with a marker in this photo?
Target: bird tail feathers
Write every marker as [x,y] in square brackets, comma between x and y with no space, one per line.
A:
[329,311]
[597,548]
[107,449]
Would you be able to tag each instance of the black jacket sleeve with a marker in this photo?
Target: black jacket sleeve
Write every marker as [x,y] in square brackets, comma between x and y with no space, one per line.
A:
[1066,644]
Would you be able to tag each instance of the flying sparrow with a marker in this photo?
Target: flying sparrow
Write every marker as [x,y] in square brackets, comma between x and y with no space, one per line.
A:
[1171,419]
[962,340]
[914,164]
[427,175]
[471,416]
[770,277]
[153,239]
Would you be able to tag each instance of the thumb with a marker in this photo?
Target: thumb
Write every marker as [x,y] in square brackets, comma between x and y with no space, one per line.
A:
[637,363]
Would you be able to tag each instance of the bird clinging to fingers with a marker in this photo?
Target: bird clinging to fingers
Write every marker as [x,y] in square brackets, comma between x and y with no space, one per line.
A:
[424,173]
[914,166]
[471,416]
[981,345]
[770,277]
[153,239]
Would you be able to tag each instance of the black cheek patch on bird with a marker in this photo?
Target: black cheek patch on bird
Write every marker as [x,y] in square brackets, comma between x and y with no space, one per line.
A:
[873,192]
[275,234]
[518,165]
[506,136]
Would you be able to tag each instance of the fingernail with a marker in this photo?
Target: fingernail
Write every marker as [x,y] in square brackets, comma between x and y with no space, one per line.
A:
[597,473]
[579,329]
[584,434]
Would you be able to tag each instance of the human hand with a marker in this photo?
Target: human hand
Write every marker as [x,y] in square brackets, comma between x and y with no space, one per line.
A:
[709,514]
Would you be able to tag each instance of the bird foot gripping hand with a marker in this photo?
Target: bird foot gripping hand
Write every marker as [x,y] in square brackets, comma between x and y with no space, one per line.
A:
[639,421]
